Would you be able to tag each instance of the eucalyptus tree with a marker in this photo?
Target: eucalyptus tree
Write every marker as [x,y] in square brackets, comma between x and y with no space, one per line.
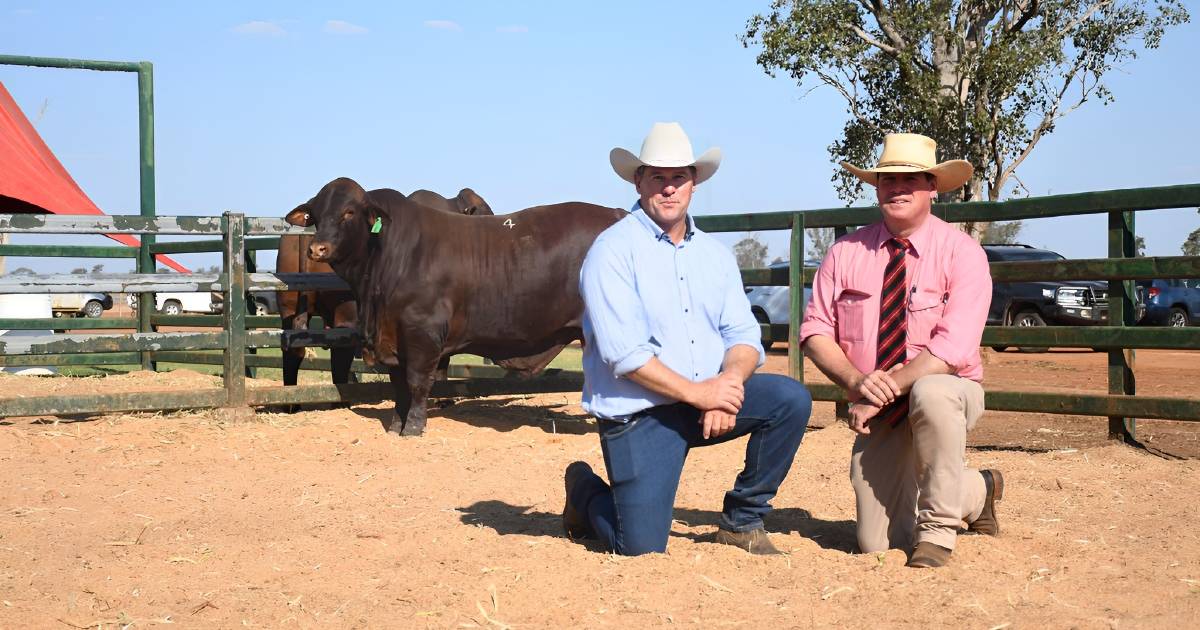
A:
[987,79]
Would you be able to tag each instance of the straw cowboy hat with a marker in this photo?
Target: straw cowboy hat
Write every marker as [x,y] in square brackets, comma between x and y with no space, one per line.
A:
[666,145]
[914,153]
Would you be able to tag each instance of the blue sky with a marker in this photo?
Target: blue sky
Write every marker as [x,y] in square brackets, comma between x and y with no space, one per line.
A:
[258,104]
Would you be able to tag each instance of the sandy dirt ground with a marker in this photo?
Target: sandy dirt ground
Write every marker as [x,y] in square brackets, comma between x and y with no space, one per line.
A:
[321,519]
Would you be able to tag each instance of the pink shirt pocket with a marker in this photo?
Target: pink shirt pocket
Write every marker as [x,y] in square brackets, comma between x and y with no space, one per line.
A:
[925,309]
[851,307]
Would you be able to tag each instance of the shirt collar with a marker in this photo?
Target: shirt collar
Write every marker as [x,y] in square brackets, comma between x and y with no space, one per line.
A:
[658,232]
[917,240]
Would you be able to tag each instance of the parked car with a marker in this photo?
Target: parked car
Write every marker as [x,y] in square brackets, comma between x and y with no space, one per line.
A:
[771,305]
[175,303]
[257,302]
[80,304]
[1173,303]
[1043,303]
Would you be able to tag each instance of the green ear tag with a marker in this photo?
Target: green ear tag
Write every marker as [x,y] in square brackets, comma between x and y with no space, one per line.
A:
[378,227]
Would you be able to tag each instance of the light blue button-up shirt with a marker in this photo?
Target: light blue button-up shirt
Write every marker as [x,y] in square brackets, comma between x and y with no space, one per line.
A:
[644,297]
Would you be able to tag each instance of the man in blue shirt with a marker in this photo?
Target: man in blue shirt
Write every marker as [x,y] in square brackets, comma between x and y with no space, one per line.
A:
[670,348]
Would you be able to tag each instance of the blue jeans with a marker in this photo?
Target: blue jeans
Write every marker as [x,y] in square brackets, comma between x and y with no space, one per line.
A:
[645,457]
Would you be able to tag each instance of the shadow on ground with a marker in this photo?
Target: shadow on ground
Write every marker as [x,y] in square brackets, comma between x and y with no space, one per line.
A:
[498,414]
[507,519]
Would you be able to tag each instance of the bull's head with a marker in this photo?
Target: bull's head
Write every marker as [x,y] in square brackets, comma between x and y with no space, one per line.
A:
[344,216]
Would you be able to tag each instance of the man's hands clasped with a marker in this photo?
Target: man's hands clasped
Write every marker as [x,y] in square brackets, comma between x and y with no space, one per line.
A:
[878,388]
[719,399]
[873,391]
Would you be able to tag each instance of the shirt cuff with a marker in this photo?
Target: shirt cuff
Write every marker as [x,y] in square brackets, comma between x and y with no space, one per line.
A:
[634,359]
[812,327]
[756,344]
[943,349]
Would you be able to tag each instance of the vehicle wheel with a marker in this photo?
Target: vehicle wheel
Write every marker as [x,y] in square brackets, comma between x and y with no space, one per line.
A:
[767,341]
[1177,318]
[93,309]
[999,348]
[1029,318]
[260,309]
[172,307]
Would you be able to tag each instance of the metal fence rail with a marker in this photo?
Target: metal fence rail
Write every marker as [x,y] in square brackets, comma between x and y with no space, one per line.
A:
[238,237]
[1119,269]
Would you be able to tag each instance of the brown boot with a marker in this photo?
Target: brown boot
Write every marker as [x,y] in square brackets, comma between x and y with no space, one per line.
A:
[987,524]
[574,523]
[929,556]
[755,541]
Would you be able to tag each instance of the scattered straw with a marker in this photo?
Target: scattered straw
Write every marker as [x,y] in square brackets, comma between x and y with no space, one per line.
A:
[840,589]
[488,618]
[206,604]
[713,583]
[128,543]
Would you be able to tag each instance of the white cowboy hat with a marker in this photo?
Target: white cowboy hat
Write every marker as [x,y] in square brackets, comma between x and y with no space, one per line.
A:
[914,153]
[665,145]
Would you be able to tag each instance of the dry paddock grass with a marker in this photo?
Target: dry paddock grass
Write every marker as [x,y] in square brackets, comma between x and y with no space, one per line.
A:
[321,519]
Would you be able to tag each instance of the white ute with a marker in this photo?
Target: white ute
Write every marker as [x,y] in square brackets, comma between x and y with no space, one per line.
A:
[175,303]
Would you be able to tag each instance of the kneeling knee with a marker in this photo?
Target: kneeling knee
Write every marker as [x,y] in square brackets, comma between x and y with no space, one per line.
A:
[929,388]
[796,399]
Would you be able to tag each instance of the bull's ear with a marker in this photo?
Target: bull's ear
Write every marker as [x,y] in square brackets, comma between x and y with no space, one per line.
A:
[301,216]
[378,217]
[472,203]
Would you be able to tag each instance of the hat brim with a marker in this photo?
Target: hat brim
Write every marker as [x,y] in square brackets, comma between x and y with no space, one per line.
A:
[949,175]
[626,164]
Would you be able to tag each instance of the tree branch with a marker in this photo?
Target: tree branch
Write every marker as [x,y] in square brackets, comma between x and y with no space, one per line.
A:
[866,38]
[851,97]
[884,20]
[1027,14]
[1048,120]
[1083,17]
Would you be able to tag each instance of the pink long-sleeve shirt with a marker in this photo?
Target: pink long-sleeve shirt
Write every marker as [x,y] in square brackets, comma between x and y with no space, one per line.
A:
[949,290]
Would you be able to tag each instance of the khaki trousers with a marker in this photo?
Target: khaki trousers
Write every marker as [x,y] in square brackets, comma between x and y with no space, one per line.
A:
[911,482]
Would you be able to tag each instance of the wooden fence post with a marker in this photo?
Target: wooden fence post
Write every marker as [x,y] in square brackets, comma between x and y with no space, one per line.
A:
[841,409]
[1121,312]
[796,296]
[234,320]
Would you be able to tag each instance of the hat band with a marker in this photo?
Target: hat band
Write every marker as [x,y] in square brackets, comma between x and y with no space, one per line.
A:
[912,164]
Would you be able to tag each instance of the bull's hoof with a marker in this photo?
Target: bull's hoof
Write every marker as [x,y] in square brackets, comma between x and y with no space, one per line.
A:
[396,426]
[405,430]
[413,429]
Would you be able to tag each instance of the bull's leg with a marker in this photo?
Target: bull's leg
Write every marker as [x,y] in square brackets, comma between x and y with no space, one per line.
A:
[339,361]
[420,380]
[443,369]
[403,400]
[292,358]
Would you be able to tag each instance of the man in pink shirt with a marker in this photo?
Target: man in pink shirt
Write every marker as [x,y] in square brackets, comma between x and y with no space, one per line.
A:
[896,316]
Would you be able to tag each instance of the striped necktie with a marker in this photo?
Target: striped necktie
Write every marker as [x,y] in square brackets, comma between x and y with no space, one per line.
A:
[893,325]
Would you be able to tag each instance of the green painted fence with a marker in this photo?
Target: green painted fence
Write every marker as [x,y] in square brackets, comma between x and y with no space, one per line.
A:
[1121,268]
[238,237]
[239,333]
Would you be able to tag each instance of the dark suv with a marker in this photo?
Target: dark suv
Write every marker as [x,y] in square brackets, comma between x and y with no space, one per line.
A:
[1171,302]
[1043,303]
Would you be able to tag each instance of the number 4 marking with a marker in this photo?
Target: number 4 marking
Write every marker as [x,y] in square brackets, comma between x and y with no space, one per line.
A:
[508,223]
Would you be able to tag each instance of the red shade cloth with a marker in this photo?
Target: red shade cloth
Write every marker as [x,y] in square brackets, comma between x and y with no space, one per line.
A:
[30,173]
